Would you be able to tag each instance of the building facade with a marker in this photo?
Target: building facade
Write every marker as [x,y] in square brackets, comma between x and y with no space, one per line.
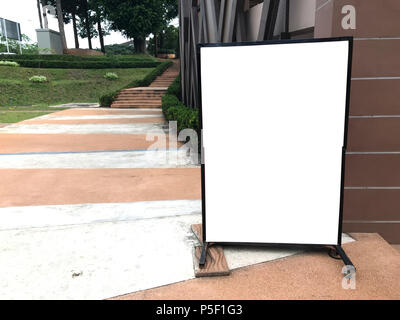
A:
[372,182]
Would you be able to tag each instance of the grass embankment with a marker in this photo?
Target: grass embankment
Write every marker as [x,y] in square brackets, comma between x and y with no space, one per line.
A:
[63,86]
[36,107]
[12,117]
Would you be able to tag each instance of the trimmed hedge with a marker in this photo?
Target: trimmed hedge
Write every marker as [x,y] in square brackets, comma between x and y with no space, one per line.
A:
[170,100]
[175,88]
[107,99]
[64,57]
[186,118]
[166,51]
[110,64]
[174,109]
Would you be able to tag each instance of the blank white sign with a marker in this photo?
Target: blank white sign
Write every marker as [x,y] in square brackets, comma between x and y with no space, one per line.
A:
[273,129]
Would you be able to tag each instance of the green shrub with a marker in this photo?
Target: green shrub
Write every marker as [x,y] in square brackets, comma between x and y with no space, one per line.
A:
[175,88]
[38,79]
[111,76]
[107,99]
[166,51]
[169,100]
[9,64]
[186,117]
[174,109]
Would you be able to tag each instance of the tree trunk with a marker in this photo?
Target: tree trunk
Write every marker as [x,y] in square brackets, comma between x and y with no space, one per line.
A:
[40,14]
[87,25]
[75,30]
[100,31]
[155,45]
[140,45]
[162,40]
[61,24]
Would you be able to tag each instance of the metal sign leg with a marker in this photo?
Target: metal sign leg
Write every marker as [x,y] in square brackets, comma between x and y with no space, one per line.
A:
[343,256]
[203,255]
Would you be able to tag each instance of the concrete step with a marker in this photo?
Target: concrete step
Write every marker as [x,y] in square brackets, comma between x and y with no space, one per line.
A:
[144,92]
[131,92]
[155,92]
[135,106]
[137,102]
[140,96]
[144,89]
[146,97]
[160,82]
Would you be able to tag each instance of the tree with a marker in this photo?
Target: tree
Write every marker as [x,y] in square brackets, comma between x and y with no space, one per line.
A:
[119,49]
[137,19]
[71,9]
[86,22]
[40,13]
[74,26]
[96,27]
[61,24]
[170,12]
[98,8]
[167,41]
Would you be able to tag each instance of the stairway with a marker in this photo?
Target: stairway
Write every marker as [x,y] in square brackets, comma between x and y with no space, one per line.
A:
[165,79]
[147,97]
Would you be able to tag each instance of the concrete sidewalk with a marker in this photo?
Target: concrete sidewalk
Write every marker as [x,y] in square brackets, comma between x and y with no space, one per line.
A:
[86,206]
[311,275]
[88,211]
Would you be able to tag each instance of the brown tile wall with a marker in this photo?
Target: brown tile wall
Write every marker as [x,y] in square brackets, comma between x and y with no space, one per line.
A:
[372,177]
[375,97]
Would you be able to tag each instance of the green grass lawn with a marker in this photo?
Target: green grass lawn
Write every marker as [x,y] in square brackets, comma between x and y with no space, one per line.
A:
[12,117]
[64,86]
[36,107]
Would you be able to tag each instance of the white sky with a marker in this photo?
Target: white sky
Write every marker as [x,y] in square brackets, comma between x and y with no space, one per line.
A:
[25,12]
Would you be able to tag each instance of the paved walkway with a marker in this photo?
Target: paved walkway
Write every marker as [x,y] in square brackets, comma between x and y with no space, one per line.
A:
[83,205]
[312,275]
[90,209]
